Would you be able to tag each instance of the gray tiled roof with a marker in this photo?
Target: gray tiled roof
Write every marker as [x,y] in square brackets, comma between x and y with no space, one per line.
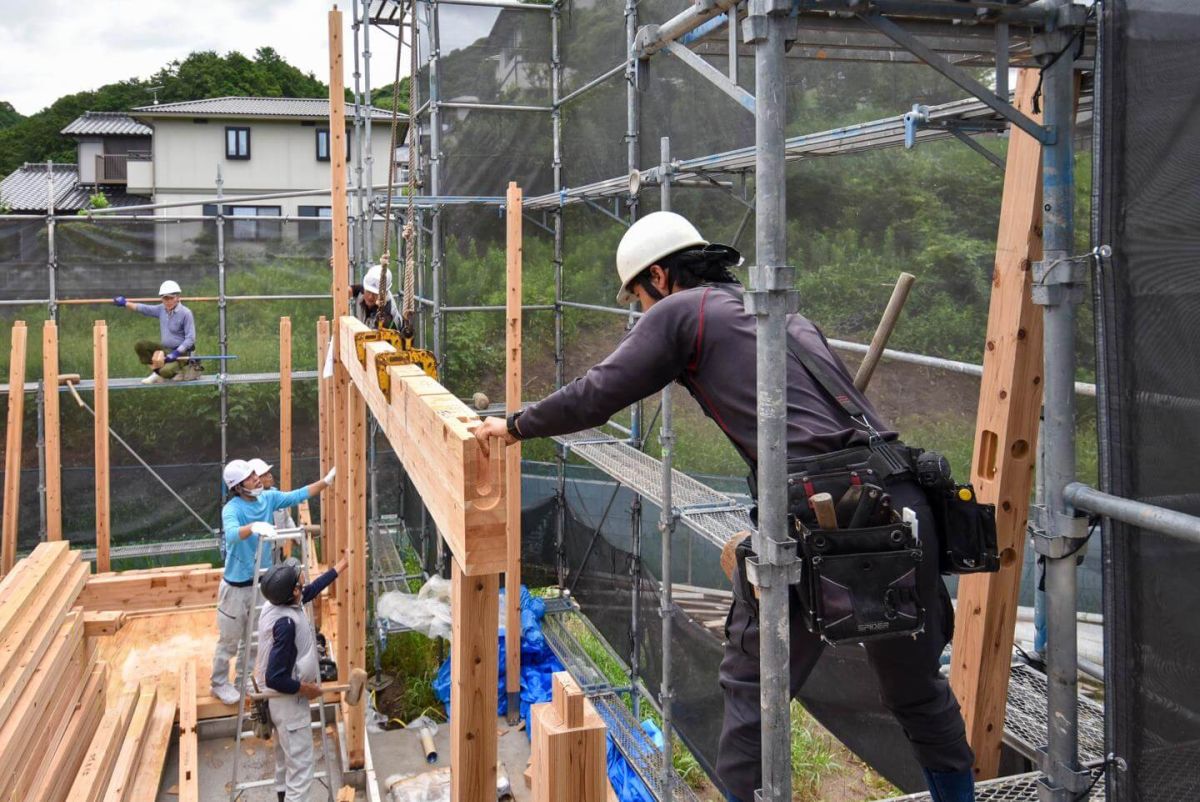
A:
[25,190]
[106,123]
[293,107]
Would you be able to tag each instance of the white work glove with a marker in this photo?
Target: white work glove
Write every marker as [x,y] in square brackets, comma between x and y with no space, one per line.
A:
[262,528]
[329,476]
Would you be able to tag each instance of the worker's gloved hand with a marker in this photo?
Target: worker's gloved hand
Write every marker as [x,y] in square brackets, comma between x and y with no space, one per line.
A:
[329,476]
[174,355]
[119,300]
[262,528]
[158,359]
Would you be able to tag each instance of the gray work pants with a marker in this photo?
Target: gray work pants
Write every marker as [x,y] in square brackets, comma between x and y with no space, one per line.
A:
[234,606]
[292,722]
[907,669]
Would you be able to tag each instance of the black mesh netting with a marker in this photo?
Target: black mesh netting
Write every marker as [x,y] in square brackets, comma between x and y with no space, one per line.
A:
[1149,334]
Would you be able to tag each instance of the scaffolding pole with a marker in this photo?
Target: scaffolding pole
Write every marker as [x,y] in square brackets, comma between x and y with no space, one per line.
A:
[667,518]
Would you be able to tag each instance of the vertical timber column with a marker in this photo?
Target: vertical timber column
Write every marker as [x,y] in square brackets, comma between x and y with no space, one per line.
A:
[512,459]
[352,618]
[53,431]
[12,446]
[285,411]
[1010,397]
[325,433]
[100,400]
[475,601]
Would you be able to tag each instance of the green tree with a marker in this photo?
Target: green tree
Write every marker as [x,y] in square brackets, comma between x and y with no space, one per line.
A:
[8,115]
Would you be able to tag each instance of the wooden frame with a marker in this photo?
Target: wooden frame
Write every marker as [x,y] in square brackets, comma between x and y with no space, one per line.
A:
[12,446]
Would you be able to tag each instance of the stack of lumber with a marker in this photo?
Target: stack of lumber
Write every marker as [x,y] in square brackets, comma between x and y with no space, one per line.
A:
[57,739]
[155,590]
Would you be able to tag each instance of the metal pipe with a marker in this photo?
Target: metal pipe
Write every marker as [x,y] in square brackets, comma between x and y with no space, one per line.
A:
[1135,513]
[222,330]
[682,23]
[560,452]
[666,524]
[366,144]
[592,84]
[732,32]
[771,300]
[145,207]
[435,174]
[358,251]
[51,247]
[501,4]
[458,104]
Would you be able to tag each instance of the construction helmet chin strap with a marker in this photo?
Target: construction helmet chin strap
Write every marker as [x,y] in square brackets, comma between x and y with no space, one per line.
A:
[647,284]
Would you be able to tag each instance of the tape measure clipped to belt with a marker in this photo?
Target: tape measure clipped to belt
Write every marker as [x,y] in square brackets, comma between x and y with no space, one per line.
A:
[405,354]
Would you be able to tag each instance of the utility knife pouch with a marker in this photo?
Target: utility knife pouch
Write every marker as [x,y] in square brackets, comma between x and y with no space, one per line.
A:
[967,532]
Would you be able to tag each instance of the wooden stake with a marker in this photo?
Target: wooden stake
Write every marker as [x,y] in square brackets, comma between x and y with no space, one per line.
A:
[512,457]
[353,589]
[473,651]
[12,446]
[1010,398]
[285,411]
[51,426]
[100,359]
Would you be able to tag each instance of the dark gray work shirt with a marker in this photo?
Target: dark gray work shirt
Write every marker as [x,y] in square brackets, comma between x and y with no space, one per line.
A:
[370,315]
[703,338]
[176,329]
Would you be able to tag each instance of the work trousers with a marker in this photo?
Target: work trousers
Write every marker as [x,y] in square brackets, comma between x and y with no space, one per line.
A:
[234,606]
[292,721]
[911,686]
[145,351]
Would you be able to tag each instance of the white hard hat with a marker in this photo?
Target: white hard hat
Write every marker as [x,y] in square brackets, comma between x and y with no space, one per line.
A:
[169,288]
[260,466]
[371,279]
[656,235]
[236,472]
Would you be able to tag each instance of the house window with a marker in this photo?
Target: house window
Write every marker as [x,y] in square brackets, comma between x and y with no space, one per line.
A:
[323,145]
[237,142]
[243,229]
[321,228]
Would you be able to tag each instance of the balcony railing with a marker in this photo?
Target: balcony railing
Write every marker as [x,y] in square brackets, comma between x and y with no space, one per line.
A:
[111,168]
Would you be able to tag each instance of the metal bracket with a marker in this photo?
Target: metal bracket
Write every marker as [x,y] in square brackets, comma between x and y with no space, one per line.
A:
[1059,536]
[1062,279]
[754,26]
[918,118]
[776,558]
[712,75]
[1076,780]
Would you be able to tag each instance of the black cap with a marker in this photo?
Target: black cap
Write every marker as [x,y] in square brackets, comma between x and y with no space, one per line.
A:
[279,582]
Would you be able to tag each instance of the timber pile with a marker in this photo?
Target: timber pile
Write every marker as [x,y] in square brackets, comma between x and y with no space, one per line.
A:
[57,739]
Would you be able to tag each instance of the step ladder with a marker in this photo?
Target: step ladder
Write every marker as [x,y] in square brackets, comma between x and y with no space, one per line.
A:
[247,657]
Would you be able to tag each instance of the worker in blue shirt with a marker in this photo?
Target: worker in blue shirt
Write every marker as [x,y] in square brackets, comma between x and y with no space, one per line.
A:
[176,333]
[245,517]
[287,664]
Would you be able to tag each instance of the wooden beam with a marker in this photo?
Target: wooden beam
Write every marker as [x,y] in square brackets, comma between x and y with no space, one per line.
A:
[158,743]
[162,591]
[12,448]
[285,411]
[352,618]
[53,440]
[512,455]
[101,623]
[1010,398]
[100,402]
[126,765]
[58,773]
[325,431]
[189,757]
[431,432]
[96,768]
[567,746]
[474,649]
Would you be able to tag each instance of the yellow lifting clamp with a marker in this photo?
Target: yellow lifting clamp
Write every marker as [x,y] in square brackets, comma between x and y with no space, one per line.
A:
[405,354]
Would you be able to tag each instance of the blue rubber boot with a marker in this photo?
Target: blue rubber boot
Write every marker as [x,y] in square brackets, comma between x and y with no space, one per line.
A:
[950,786]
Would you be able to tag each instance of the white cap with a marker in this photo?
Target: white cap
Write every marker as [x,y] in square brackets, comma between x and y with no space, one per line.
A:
[656,235]
[371,279]
[260,466]
[169,288]
[236,472]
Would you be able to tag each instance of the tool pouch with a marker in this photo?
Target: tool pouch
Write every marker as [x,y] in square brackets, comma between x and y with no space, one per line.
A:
[860,584]
[966,529]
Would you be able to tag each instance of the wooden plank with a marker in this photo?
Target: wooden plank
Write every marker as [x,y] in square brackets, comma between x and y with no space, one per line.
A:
[314,569]
[189,768]
[1010,398]
[353,618]
[12,449]
[103,622]
[52,439]
[18,586]
[96,768]
[512,455]
[158,743]
[285,410]
[474,645]
[58,773]
[38,697]
[341,267]
[100,404]
[159,592]
[325,429]
[131,746]
[567,743]
[430,431]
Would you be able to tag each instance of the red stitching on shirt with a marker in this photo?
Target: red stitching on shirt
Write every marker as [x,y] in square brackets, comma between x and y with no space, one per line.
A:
[695,363]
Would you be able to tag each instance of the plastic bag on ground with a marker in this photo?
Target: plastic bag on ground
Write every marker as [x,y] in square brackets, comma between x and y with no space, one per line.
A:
[427,612]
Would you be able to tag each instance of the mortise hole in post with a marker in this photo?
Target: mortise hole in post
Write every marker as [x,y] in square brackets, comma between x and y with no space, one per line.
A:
[1020,449]
[987,455]
[1008,557]
[1003,394]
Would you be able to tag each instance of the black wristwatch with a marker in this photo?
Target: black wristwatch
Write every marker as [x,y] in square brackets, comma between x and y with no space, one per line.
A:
[511,422]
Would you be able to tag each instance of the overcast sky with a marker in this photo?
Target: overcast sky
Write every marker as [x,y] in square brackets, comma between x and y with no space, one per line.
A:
[52,48]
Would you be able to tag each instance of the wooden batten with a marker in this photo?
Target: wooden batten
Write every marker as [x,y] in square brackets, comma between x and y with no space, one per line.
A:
[100,403]
[94,772]
[58,773]
[189,757]
[12,446]
[125,767]
[53,432]
[285,411]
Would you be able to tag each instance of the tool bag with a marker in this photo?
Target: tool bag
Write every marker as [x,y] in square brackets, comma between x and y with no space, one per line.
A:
[967,530]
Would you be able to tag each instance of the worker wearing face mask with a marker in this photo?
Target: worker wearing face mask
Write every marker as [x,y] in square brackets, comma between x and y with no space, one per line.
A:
[246,517]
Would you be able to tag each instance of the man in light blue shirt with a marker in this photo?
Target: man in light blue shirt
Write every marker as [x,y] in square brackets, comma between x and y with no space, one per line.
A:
[245,518]
[176,333]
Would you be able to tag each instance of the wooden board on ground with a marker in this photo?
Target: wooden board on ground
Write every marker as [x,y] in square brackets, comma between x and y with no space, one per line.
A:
[158,742]
[64,760]
[430,430]
[126,764]
[189,768]
[92,779]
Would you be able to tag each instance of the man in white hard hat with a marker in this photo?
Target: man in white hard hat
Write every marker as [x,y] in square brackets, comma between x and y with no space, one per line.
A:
[176,333]
[282,519]
[366,297]
[245,518]
[695,330]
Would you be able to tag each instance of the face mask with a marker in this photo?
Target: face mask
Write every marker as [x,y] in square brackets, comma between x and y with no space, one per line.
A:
[255,493]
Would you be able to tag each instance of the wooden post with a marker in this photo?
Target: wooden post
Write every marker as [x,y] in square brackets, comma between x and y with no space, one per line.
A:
[1010,398]
[285,411]
[51,426]
[12,446]
[512,459]
[567,746]
[189,763]
[353,618]
[325,425]
[473,653]
[100,401]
